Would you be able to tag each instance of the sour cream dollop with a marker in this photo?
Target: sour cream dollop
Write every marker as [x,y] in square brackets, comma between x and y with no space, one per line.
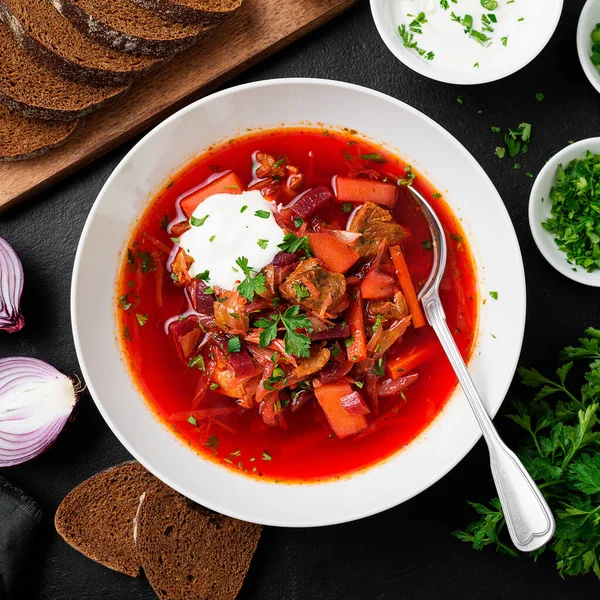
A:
[462,35]
[226,227]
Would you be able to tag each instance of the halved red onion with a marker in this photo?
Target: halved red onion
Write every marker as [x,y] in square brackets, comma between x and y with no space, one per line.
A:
[11,287]
[354,404]
[36,401]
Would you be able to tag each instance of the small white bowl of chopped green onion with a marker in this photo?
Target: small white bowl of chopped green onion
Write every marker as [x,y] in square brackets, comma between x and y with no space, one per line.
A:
[564,211]
[588,41]
[466,41]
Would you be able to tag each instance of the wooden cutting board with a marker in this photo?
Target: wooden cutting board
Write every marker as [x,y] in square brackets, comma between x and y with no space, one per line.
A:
[259,28]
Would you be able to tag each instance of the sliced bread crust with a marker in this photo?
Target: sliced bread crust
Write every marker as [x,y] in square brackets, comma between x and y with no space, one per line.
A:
[97,517]
[125,26]
[48,36]
[207,12]
[30,88]
[189,553]
[22,138]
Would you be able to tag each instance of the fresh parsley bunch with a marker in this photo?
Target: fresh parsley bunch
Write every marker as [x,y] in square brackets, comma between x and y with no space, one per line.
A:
[561,452]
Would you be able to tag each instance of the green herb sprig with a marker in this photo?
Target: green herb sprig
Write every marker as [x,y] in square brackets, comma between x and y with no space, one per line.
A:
[560,449]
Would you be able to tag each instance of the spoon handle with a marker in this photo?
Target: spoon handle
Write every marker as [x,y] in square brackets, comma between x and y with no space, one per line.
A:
[528,518]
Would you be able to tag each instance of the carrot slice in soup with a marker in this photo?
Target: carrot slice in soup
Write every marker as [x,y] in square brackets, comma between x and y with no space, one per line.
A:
[408,288]
[336,256]
[357,350]
[227,184]
[348,189]
[342,422]
[403,364]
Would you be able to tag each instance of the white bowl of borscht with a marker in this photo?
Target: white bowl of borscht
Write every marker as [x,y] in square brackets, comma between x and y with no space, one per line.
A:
[244,301]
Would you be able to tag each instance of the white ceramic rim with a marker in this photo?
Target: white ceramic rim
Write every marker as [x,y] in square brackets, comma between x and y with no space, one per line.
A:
[585,26]
[518,280]
[539,211]
[477,78]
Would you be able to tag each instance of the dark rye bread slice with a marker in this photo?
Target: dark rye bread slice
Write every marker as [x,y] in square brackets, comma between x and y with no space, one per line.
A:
[97,517]
[125,26]
[22,138]
[189,553]
[54,40]
[32,89]
[208,12]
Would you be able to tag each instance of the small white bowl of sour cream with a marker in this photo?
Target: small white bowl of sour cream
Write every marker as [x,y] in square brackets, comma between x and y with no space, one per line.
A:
[466,41]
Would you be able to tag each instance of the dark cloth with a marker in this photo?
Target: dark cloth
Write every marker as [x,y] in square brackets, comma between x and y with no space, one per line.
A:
[20,520]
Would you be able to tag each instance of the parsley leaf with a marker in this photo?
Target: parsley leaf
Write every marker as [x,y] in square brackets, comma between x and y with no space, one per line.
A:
[296,343]
[234,344]
[560,448]
[292,243]
[250,285]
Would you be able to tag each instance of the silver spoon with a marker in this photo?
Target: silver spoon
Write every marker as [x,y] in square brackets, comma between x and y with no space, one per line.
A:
[528,517]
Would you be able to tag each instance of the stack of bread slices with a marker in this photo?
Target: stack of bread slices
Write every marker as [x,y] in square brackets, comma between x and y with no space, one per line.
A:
[126,519]
[61,59]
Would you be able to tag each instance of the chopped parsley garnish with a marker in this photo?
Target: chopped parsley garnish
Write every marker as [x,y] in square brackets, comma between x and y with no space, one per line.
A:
[170,185]
[539,97]
[380,319]
[378,367]
[292,243]
[146,261]
[126,333]
[205,275]
[266,456]
[244,208]
[263,244]
[427,244]
[346,207]
[250,285]
[494,295]
[141,319]
[263,214]
[457,238]
[197,363]
[460,100]
[212,442]
[298,222]
[495,129]
[436,195]
[212,238]
[192,420]
[125,304]
[214,386]
[301,291]
[378,158]
[175,240]
[575,220]
[296,343]
[500,151]
[416,24]
[234,344]
[349,341]
[164,222]
[408,39]
[198,222]
[467,23]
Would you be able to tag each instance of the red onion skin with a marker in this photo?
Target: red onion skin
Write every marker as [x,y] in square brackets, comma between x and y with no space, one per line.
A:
[390,387]
[11,281]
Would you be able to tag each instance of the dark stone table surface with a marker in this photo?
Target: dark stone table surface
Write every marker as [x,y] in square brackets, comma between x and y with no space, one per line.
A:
[406,553]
